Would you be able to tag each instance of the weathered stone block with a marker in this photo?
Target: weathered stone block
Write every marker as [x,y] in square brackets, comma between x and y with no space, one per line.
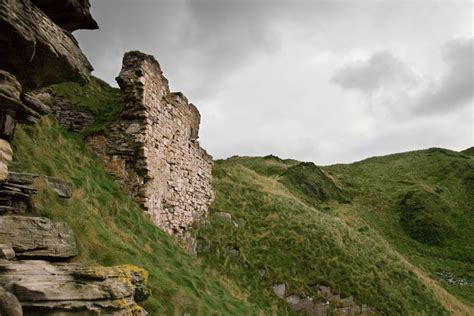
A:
[6,252]
[279,289]
[38,56]
[35,104]
[7,127]
[63,188]
[74,289]
[5,158]
[71,15]
[9,304]
[22,177]
[37,237]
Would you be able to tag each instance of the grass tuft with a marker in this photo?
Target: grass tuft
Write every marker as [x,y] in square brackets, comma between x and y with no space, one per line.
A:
[104,101]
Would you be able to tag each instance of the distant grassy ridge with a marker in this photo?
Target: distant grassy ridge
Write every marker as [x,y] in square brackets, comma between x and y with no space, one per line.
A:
[111,229]
[436,188]
[283,238]
[469,151]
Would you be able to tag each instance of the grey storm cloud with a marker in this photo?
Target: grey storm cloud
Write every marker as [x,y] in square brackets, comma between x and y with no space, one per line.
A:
[194,39]
[381,71]
[456,87]
[290,77]
[388,81]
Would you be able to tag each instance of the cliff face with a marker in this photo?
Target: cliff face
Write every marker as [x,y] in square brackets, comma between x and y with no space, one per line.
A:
[34,52]
[154,151]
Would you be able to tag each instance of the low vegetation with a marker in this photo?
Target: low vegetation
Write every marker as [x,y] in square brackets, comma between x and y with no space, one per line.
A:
[426,217]
[104,101]
[111,229]
[422,203]
[279,238]
[393,232]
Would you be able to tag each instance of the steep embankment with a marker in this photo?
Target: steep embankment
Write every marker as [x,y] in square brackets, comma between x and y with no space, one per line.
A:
[110,228]
[422,202]
[293,225]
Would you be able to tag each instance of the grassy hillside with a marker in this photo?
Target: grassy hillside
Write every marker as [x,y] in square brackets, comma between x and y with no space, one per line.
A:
[394,232]
[300,227]
[104,101]
[423,203]
[110,229]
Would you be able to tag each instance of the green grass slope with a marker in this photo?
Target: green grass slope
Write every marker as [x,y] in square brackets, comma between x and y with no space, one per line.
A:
[110,228]
[422,202]
[393,232]
[104,101]
[284,238]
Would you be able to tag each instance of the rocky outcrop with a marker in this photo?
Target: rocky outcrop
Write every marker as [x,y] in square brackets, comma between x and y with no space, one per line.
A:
[5,158]
[58,288]
[153,149]
[68,114]
[62,188]
[36,50]
[9,304]
[71,15]
[37,237]
[45,288]
[22,107]
[15,194]
[331,302]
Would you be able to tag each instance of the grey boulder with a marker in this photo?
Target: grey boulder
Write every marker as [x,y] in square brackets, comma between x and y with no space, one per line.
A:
[73,288]
[37,237]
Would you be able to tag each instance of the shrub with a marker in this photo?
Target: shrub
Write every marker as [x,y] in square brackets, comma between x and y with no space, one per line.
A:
[424,216]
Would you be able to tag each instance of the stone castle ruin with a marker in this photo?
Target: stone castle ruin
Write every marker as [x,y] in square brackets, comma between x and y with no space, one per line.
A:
[154,150]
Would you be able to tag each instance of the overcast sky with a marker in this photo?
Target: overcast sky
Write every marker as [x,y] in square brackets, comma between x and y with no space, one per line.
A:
[316,81]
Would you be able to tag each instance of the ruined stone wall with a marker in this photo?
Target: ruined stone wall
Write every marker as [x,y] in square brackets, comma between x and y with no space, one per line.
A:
[153,149]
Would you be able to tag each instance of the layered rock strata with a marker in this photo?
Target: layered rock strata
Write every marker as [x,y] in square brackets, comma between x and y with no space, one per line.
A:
[154,150]
[70,116]
[332,303]
[15,195]
[59,287]
[71,15]
[35,51]
[37,237]
[45,288]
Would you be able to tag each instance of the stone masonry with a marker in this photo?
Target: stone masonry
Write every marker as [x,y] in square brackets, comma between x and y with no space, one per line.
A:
[153,149]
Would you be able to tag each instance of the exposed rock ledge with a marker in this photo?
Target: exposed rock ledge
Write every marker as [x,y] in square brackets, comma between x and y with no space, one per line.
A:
[37,237]
[36,50]
[45,288]
[69,14]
